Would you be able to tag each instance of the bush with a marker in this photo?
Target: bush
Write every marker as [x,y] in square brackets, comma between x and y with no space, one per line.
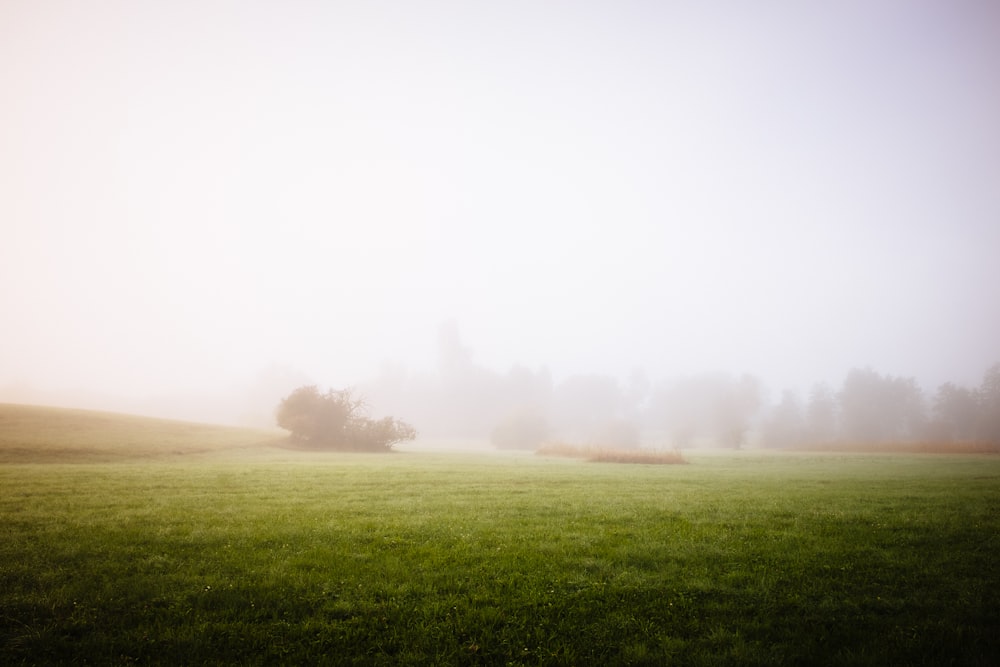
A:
[337,420]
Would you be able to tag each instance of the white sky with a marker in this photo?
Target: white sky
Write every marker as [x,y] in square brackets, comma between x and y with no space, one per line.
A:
[194,191]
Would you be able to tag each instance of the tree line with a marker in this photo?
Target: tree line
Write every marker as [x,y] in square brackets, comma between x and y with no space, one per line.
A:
[871,408]
[525,408]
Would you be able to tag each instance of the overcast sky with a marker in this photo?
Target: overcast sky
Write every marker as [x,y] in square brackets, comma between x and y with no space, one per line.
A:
[192,192]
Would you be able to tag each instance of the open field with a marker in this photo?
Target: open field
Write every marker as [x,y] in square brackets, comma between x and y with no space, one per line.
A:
[258,555]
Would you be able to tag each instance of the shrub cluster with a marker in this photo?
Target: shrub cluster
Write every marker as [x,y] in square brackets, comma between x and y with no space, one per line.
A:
[337,420]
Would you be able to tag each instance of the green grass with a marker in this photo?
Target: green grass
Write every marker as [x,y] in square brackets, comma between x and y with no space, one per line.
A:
[416,558]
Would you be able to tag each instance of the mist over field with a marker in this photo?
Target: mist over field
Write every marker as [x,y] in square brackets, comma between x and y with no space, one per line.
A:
[469,211]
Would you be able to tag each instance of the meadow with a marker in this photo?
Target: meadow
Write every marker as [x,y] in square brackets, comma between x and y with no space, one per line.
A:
[240,552]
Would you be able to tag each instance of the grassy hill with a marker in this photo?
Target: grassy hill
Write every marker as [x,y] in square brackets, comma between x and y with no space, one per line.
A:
[37,434]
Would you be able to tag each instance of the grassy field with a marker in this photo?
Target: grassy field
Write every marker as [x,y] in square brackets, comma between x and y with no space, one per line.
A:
[240,552]
[38,434]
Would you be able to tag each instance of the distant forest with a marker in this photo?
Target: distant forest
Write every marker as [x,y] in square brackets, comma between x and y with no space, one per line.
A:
[524,408]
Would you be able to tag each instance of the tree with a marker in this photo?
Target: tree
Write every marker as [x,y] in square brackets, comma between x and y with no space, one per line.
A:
[821,415]
[526,428]
[956,413]
[709,406]
[989,405]
[735,406]
[617,434]
[678,408]
[583,405]
[785,425]
[378,434]
[880,409]
[861,406]
[908,400]
[337,420]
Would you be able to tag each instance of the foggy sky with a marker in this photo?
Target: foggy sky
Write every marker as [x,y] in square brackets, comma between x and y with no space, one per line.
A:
[198,195]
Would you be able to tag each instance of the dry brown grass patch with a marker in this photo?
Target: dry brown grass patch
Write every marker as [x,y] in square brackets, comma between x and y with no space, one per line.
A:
[906,447]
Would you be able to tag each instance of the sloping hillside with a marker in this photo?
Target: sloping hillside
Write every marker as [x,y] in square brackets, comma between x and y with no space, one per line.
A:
[36,434]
